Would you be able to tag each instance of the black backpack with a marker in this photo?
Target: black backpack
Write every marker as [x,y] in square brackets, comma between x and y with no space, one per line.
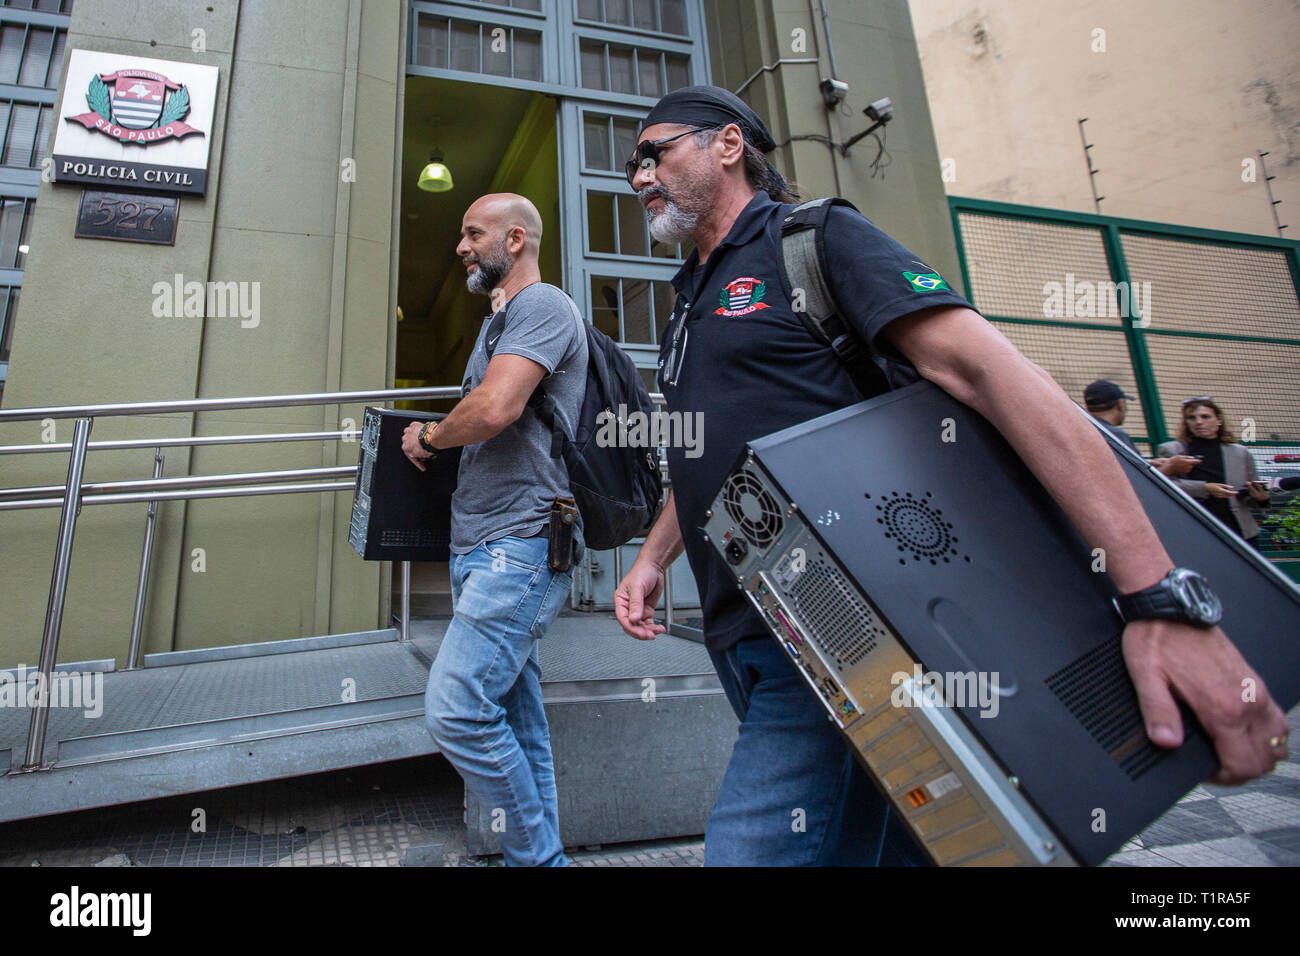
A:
[617,487]
[803,254]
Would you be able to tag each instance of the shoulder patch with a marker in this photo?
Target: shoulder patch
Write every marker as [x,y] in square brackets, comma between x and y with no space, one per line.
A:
[926,281]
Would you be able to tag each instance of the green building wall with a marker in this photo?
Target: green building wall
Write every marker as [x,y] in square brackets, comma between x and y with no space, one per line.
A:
[303,86]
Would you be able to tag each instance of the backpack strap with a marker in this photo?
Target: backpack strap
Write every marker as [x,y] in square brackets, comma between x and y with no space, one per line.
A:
[540,402]
[803,253]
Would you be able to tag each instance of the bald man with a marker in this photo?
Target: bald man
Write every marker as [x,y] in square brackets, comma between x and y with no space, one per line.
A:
[483,704]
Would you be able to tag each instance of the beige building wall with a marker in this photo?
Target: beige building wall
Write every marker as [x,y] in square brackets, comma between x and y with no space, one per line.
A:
[1178,94]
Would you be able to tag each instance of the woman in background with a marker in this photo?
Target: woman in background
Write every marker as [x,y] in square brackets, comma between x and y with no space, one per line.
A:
[1225,471]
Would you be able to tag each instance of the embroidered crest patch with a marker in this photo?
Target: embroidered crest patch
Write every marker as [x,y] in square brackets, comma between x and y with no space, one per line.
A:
[741,296]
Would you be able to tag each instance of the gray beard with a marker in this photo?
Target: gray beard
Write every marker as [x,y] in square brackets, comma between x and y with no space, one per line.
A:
[491,270]
[673,223]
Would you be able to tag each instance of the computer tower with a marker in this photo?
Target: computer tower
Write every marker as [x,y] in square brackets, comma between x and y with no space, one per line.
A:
[400,513]
[961,633]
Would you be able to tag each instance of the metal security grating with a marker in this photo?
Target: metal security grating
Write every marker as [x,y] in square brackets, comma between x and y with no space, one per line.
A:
[1209,313]
[1253,381]
[1076,357]
[1197,287]
[1010,263]
[833,615]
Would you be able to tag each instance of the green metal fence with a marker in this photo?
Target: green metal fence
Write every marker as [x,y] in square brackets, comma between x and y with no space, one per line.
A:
[1168,312]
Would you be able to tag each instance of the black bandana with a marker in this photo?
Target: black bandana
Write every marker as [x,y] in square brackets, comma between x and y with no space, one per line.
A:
[710,106]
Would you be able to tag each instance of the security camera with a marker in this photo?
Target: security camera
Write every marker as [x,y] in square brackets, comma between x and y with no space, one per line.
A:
[833,92]
[881,111]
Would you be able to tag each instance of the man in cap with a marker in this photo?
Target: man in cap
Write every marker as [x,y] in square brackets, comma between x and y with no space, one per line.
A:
[734,350]
[1108,403]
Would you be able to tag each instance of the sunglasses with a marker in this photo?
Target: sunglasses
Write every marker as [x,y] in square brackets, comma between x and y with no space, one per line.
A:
[1198,398]
[646,154]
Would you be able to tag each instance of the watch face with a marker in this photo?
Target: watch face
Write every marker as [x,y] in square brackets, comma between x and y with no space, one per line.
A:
[1194,594]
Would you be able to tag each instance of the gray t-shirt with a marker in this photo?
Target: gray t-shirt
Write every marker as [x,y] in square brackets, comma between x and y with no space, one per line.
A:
[507,484]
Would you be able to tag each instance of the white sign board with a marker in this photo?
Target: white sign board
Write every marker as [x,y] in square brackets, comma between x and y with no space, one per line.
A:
[135,122]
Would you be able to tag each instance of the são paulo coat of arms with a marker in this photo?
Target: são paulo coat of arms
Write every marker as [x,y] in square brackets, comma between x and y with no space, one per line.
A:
[741,296]
[137,106]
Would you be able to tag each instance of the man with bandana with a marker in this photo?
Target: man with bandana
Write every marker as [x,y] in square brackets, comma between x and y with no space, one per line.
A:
[734,351]
[483,703]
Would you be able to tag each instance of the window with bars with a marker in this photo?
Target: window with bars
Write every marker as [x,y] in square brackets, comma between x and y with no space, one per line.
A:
[8,306]
[607,141]
[631,69]
[29,55]
[24,132]
[15,221]
[632,311]
[661,16]
[616,225]
[41,6]
[446,43]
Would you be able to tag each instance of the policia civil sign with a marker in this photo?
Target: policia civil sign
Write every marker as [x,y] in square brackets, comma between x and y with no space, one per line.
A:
[135,123]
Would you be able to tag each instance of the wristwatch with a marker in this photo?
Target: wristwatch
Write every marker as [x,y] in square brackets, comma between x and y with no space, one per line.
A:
[1181,595]
[424,442]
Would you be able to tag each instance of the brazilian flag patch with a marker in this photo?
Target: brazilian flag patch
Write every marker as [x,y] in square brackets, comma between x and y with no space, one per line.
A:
[926,281]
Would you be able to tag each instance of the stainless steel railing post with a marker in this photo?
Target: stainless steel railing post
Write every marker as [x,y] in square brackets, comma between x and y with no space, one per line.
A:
[137,621]
[405,633]
[58,591]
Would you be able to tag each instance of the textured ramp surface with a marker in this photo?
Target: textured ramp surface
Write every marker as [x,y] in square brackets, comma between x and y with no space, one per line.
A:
[216,690]
[579,647]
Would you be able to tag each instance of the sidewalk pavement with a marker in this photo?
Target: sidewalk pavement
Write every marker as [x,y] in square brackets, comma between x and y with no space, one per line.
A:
[409,812]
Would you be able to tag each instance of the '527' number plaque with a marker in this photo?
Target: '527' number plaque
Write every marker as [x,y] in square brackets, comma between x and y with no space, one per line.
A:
[134,217]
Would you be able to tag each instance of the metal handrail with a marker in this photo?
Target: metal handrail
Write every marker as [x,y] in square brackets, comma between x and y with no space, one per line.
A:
[284,488]
[156,489]
[226,404]
[129,443]
[153,491]
[103,488]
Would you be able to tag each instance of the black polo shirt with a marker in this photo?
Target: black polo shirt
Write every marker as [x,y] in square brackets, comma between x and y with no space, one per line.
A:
[751,368]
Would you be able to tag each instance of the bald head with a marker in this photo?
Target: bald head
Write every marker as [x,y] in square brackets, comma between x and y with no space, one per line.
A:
[499,213]
[499,241]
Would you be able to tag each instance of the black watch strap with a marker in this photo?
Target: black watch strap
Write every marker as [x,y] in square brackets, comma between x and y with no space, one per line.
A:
[1154,602]
[1181,595]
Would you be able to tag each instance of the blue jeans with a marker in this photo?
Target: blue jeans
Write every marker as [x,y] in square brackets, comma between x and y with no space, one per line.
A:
[483,705]
[793,793]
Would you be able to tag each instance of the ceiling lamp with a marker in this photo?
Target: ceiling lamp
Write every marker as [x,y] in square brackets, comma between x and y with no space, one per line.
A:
[435,177]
